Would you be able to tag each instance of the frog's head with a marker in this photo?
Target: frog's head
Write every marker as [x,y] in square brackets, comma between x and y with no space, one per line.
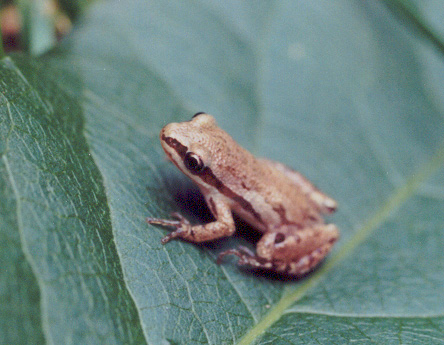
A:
[189,144]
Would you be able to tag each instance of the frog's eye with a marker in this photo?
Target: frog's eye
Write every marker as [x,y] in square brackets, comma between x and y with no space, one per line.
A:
[193,162]
[197,114]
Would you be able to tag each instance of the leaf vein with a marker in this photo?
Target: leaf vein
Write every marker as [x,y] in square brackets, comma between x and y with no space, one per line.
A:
[393,203]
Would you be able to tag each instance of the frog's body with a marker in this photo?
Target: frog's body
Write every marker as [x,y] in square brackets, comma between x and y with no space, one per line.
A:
[276,200]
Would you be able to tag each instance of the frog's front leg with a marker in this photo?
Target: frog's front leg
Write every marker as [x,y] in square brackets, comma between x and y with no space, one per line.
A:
[223,226]
[292,252]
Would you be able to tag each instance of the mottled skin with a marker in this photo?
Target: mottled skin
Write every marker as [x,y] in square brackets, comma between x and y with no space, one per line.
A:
[276,200]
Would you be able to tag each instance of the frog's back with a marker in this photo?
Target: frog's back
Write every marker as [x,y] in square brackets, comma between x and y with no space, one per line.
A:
[262,194]
[283,201]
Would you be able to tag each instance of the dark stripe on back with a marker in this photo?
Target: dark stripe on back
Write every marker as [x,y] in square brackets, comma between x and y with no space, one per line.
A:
[280,210]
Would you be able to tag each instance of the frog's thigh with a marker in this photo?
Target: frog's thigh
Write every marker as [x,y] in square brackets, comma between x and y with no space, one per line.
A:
[297,252]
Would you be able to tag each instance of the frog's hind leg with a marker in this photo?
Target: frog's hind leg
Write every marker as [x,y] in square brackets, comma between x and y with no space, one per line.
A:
[296,252]
[288,252]
[248,258]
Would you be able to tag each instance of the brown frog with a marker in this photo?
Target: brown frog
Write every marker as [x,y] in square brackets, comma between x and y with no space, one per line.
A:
[276,200]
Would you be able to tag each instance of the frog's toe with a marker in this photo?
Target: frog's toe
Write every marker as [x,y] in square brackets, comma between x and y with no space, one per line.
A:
[221,256]
[180,218]
[246,258]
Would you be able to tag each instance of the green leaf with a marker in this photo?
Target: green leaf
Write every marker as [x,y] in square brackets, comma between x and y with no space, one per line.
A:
[58,224]
[344,92]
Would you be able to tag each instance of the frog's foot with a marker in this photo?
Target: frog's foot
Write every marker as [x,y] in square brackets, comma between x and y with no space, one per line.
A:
[181,224]
[246,258]
[197,233]
[294,269]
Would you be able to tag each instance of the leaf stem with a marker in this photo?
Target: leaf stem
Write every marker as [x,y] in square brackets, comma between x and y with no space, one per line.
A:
[2,51]
[393,203]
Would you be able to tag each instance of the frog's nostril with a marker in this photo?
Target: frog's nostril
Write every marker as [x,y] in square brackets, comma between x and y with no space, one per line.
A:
[280,237]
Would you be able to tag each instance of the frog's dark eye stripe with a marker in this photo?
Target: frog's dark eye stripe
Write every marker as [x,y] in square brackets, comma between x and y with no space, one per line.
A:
[176,145]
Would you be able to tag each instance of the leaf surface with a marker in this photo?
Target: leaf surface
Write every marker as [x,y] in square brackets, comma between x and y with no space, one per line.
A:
[344,92]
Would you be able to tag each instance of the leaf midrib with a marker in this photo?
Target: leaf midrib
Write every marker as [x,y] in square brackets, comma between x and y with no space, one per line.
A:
[400,195]
[368,316]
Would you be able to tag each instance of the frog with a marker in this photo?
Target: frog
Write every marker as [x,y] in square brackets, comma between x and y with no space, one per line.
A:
[279,202]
